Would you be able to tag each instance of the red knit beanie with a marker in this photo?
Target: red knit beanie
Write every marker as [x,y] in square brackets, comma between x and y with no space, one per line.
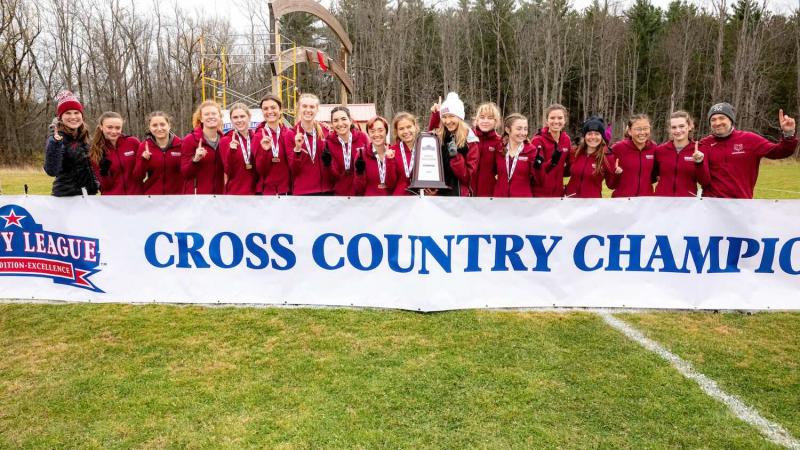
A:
[67,101]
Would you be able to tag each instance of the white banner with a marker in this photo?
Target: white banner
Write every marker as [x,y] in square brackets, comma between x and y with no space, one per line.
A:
[425,254]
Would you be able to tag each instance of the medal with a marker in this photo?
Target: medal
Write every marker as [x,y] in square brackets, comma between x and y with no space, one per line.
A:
[312,149]
[510,167]
[347,151]
[381,186]
[276,144]
[276,160]
[381,170]
[408,166]
[245,150]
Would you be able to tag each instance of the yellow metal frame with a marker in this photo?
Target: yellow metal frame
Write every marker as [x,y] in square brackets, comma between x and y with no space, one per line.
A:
[213,65]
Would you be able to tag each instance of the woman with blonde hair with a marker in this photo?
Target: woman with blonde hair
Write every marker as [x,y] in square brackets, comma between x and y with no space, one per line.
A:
[405,131]
[236,150]
[552,146]
[113,156]
[679,164]
[515,164]
[158,160]
[307,160]
[201,164]
[460,151]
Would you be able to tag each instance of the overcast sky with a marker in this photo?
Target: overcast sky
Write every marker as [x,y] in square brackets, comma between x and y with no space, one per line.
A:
[224,9]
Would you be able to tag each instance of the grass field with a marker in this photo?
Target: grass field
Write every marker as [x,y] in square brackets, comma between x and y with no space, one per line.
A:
[123,376]
[778,179]
[120,376]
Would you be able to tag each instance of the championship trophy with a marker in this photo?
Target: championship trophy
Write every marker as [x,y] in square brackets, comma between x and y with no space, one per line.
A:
[428,162]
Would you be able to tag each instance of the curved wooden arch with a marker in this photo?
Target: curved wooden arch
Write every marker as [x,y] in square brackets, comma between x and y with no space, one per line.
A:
[308,55]
[279,8]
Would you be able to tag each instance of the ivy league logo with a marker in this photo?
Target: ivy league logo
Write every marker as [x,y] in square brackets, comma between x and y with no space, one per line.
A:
[27,250]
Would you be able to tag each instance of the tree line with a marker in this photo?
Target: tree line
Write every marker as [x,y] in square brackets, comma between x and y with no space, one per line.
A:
[605,59]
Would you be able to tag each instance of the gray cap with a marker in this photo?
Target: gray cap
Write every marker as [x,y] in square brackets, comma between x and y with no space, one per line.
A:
[722,108]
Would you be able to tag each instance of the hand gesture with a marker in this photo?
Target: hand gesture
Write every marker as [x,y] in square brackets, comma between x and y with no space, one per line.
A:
[298,141]
[234,143]
[389,153]
[697,155]
[56,135]
[437,105]
[617,169]
[200,153]
[146,153]
[327,158]
[787,123]
[266,141]
[361,165]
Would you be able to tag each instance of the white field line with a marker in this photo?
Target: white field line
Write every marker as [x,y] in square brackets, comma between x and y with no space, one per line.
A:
[771,430]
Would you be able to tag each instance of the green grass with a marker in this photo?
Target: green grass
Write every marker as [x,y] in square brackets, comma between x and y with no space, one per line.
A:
[756,357]
[777,179]
[121,376]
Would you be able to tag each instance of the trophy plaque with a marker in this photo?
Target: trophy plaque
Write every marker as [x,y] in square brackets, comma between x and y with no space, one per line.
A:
[429,173]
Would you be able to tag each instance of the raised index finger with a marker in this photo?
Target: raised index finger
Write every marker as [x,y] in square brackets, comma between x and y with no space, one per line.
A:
[780,115]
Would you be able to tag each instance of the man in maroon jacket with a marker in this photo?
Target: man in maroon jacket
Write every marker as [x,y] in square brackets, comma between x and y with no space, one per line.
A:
[734,156]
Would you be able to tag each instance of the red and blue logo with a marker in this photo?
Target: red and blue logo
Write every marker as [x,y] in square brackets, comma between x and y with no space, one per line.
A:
[28,250]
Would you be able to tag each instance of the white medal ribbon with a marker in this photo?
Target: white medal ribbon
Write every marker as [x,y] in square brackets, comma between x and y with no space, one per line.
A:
[511,166]
[312,148]
[276,149]
[347,150]
[381,166]
[245,148]
[408,166]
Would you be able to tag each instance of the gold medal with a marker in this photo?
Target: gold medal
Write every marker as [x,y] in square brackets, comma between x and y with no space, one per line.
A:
[248,166]
[381,186]
[275,160]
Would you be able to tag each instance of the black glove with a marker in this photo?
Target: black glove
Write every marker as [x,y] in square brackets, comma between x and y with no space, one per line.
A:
[105,166]
[556,157]
[326,156]
[452,150]
[537,162]
[361,165]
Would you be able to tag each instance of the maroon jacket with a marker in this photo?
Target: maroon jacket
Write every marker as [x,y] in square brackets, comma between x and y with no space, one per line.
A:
[637,168]
[463,166]
[583,183]
[308,176]
[274,177]
[678,175]
[403,181]
[733,161]
[342,177]
[163,169]
[206,175]
[369,183]
[121,178]
[241,180]
[490,145]
[550,182]
[522,177]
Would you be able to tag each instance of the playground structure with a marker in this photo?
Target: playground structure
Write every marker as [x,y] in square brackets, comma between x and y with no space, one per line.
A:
[280,53]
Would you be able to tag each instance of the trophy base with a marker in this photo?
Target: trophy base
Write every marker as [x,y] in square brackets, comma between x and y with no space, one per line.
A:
[429,185]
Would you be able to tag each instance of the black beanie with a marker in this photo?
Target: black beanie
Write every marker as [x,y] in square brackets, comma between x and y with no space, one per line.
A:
[594,123]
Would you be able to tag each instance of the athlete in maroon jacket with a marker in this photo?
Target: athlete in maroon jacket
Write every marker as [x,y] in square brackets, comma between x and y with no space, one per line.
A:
[276,142]
[380,174]
[734,156]
[201,165]
[405,133]
[515,165]
[159,157]
[635,155]
[113,155]
[346,145]
[236,149]
[679,165]
[309,176]
[590,164]
[553,146]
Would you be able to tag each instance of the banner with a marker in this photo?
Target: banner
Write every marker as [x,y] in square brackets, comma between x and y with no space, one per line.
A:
[422,254]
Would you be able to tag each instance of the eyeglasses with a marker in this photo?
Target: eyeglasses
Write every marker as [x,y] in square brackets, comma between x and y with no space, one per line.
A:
[641,129]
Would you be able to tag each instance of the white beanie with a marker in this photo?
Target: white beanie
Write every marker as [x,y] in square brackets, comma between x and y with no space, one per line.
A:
[452,105]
